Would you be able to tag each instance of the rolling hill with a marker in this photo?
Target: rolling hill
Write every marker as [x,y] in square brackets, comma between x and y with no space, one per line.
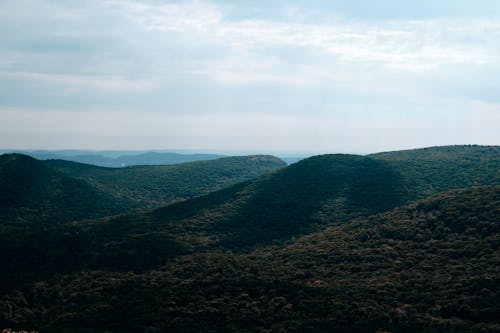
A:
[428,171]
[55,191]
[33,192]
[333,242]
[306,196]
[296,200]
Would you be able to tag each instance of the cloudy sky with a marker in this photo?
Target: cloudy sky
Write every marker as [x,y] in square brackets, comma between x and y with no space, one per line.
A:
[261,75]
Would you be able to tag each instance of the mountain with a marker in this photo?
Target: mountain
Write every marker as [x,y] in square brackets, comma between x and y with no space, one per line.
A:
[305,197]
[302,198]
[429,266]
[33,192]
[275,206]
[116,159]
[330,243]
[428,171]
[55,191]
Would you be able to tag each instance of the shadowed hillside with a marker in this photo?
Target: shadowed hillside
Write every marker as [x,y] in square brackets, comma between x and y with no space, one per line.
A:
[55,191]
[33,192]
[430,266]
[296,199]
[317,246]
[153,185]
[299,199]
[273,207]
[319,191]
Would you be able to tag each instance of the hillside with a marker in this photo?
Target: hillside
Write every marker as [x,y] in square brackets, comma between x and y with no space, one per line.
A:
[430,266]
[291,201]
[303,197]
[428,171]
[288,202]
[153,185]
[33,192]
[55,191]
[318,244]
[299,199]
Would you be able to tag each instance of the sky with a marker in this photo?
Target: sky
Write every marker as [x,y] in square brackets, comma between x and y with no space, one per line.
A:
[249,76]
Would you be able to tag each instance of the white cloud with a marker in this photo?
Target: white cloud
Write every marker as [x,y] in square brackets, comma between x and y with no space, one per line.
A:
[191,75]
[190,16]
[400,45]
[97,82]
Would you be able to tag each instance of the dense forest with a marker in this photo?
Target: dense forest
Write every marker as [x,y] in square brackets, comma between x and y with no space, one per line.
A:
[401,241]
[54,191]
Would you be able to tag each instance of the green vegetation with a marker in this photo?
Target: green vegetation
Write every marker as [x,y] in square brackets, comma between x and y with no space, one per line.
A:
[331,243]
[55,191]
[431,170]
[431,266]
[33,192]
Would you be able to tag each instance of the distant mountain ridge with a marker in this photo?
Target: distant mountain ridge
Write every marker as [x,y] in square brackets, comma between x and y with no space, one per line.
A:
[111,160]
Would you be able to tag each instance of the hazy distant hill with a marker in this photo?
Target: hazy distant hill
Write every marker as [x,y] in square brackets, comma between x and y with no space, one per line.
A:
[110,159]
[56,190]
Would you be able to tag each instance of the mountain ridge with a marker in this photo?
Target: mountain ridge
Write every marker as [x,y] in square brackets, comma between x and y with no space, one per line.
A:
[118,159]
[403,242]
[95,191]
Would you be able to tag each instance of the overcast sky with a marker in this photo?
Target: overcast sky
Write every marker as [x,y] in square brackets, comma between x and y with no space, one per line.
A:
[260,75]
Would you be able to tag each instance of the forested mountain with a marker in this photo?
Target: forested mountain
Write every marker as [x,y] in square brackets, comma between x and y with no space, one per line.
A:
[330,243]
[301,198]
[33,192]
[54,191]
[428,171]
[430,266]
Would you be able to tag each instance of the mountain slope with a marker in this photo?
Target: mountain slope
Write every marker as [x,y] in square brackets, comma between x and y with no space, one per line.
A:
[31,191]
[273,207]
[319,191]
[428,171]
[296,200]
[153,185]
[55,191]
[238,259]
[430,266]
